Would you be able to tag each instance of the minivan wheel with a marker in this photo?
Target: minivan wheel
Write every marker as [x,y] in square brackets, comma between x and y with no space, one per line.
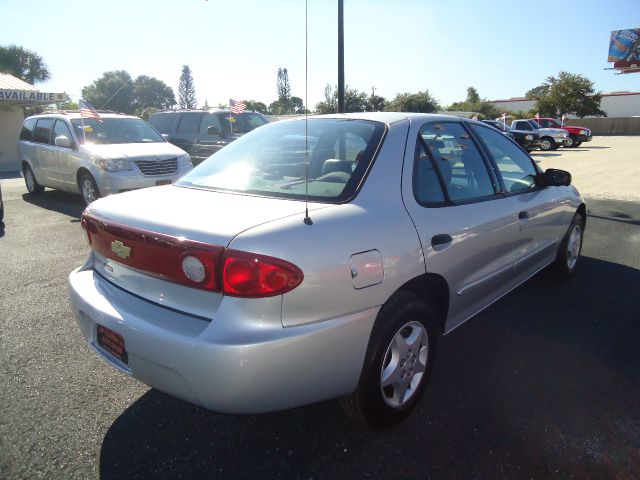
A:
[33,186]
[547,144]
[397,363]
[88,188]
[570,248]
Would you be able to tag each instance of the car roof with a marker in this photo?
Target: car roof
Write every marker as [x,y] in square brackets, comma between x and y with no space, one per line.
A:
[390,117]
[75,114]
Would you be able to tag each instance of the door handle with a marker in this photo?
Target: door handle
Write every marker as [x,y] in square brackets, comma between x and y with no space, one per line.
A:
[523,215]
[441,239]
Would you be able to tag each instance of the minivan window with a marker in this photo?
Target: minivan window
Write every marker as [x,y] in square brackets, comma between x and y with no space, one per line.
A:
[43,130]
[27,129]
[114,130]
[459,161]
[189,123]
[61,128]
[270,161]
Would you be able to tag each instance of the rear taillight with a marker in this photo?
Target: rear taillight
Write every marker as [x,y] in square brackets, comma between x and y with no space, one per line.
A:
[194,264]
[251,275]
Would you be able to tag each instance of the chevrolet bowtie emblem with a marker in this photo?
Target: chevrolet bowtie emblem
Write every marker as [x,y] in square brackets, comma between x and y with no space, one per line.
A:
[120,249]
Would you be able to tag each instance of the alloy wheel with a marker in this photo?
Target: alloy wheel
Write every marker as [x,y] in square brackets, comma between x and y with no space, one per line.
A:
[573,246]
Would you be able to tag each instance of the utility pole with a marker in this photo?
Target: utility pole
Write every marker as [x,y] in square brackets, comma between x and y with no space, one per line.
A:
[340,56]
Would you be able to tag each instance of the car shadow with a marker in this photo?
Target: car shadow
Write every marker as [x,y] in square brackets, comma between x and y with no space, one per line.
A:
[2,226]
[520,390]
[62,202]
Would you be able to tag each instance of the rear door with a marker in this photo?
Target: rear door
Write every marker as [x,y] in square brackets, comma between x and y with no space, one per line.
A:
[187,131]
[211,136]
[466,227]
[542,220]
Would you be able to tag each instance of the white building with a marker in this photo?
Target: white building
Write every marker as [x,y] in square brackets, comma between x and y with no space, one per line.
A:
[615,104]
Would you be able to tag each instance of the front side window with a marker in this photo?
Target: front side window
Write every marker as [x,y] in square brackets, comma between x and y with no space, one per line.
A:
[61,129]
[211,120]
[43,130]
[27,129]
[458,160]
[114,130]
[516,168]
[271,161]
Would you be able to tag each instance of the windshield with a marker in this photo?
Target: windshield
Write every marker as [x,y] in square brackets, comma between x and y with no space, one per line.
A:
[534,124]
[271,160]
[114,130]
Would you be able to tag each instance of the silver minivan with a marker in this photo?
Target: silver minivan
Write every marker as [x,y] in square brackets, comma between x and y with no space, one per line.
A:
[96,156]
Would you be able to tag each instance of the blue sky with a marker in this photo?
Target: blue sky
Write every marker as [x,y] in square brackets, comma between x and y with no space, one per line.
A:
[234,48]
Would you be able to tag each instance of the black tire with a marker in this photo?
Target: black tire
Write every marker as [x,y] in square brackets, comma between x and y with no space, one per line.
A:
[571,247]
[577,144]
[88,188]
[403,314]
[547,144]
[1,213]
[571,142]
[33,187]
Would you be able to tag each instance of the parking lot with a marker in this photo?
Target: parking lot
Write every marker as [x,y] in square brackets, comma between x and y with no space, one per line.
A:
[543,384]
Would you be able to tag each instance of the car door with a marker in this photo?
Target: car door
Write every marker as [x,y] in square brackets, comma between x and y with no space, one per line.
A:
[187,132]
[467,229]
[542,218]
[49,174]
[68,159]
[211,137]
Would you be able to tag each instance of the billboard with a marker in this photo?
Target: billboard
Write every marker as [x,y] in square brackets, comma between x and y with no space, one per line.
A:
[624,47]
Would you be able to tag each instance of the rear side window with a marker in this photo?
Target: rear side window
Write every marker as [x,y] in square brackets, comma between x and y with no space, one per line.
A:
[164,122]
[27,129]
[516,168]
[189,123]
[426,185]
[43,130]
[458,160]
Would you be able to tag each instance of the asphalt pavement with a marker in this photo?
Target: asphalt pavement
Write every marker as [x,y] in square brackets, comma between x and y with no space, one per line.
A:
[543,384]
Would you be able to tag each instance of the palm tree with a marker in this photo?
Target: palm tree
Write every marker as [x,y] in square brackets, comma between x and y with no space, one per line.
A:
[24,64]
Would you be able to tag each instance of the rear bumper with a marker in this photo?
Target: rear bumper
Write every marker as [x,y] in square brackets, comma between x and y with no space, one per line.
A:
[258,367]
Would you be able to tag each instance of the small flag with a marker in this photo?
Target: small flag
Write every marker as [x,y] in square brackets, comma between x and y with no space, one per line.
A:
[235,106]
[562,119]
[475,117]
[87,111]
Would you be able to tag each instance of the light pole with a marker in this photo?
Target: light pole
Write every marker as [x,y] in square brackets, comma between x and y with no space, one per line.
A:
[340,56]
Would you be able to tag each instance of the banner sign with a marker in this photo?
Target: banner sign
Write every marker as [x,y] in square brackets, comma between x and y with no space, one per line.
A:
[624,46]
[32,96]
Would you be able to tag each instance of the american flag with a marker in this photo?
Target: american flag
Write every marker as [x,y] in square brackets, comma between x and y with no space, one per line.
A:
[236,106]
[87,111]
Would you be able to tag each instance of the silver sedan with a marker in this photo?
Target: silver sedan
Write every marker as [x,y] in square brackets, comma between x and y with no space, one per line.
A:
[321,258]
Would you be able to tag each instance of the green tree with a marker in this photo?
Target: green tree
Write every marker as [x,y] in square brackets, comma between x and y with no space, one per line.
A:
[283,86]
[149,92]
[112,91]
[568,93]
[421,102]
[256,106]
[186,90]
[354,100]
[473,103]
[375,103]
[23,64]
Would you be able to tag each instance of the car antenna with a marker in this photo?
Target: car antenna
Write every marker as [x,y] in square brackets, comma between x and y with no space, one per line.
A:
[307,219]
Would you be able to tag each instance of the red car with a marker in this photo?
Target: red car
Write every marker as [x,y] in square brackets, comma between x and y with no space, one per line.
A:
[577,135]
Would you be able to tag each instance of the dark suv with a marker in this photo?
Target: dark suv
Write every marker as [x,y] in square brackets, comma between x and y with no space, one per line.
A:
[203,132]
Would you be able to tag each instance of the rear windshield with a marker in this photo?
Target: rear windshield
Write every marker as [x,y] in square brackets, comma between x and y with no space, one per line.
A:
[115,130]
[271,160]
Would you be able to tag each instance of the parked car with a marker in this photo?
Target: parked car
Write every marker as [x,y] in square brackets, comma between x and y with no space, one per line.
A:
[96,157]
[550,138]
[273,276]
[204,132]
[526,139]
[1,206]
[577,135]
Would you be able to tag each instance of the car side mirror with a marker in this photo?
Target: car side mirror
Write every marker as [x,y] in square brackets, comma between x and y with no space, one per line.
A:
[554,177]
[214,131]
[63,141]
